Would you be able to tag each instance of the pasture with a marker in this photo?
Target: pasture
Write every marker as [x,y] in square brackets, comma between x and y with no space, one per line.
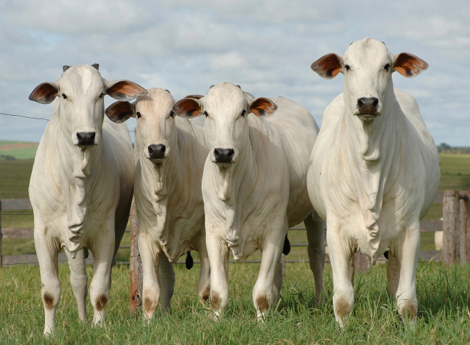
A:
[443,317]
[443,293]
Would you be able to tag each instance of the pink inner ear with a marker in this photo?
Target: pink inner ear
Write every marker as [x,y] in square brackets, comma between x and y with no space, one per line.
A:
[119,111]
[187,107]
[327,66]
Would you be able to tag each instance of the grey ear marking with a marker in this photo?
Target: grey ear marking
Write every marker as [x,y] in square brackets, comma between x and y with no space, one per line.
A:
[97,66]
[65,67]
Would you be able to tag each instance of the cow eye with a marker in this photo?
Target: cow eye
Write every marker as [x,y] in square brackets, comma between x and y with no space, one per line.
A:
[347,67]
[387,67]
[172,113]
[64,96]
[139,115]
[206,114]
[243,113]
[102,95]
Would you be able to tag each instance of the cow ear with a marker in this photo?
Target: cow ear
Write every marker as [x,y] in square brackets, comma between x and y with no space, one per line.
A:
[409,65]
[187,107]
[194,96]
[124,90]
[120,112]
[327,66]
[44,93]
[262,106]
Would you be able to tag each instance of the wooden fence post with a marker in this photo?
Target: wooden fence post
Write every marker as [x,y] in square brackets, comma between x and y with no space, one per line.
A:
[450,216]
[463,221]
[135,262]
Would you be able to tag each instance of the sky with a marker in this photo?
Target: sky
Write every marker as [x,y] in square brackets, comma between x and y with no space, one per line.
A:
[267,47]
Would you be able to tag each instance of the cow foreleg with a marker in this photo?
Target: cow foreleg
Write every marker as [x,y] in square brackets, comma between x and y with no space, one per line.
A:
[316,252]
[264,295]
[407,301]
[166,274]
[218,258]
[203,285]
[340,258]
[103,249]
[78,280]
[47,254]
[151,282]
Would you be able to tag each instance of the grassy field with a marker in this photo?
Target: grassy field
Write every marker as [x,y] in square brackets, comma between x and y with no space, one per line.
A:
[443,317]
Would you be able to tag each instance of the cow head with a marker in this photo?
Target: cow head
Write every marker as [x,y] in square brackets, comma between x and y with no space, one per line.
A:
[367,66]
[81,91]
[226,108]
[155,122]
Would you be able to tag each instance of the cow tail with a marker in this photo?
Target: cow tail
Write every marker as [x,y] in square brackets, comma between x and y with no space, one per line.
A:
[286,249]
[189,260]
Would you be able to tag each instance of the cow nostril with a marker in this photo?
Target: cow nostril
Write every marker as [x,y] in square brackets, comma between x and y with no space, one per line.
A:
[156,151]
[375,102]
[360,103]
[86,138]
[224,155]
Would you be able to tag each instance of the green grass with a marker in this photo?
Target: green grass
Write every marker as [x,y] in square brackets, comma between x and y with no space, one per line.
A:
[18,153]
[443,316]
[14,178]
[455,172]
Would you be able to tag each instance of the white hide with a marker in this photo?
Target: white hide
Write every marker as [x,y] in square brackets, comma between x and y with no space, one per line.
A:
[81,196]
[372,177]
[250,203]
[168,195]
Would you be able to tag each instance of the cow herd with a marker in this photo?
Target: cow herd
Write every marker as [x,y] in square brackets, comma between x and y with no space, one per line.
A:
[228,172]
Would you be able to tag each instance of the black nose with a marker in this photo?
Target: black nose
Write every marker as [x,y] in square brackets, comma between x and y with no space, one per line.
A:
[367,105]
[157,151]
[86,138]
[223,155]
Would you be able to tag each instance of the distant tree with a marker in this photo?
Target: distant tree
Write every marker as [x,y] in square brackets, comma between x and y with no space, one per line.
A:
[444,147]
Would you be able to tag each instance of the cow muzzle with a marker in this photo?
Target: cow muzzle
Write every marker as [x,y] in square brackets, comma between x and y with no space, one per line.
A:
[85,139]
[156,152]
[224,155]
[367,108]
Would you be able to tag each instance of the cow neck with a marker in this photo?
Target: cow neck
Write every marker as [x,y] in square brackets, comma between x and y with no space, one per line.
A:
[159,180]
[80,170]
[370,150]
[233,191]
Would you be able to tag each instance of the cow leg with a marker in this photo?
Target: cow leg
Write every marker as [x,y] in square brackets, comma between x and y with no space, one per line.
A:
[167,278]
[407,301]
[263,292]
[47,256]
[78,280]
[277,284]
[204,283]
[393,274]
[218,258]
[151,282]
[103,249]
[316,252]
[340,258]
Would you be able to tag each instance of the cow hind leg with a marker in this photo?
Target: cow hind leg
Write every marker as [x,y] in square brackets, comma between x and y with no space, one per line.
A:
[316,252]
[47,256]
[264,292]
[204,283]
[78,280]
[167,279]
[393,274]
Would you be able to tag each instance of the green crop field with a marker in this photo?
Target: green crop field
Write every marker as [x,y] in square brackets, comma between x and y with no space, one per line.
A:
[443,316]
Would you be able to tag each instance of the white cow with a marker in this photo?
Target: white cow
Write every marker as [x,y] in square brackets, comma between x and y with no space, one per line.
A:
[374,171]
[254,186]
[168,193]
[81,185]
